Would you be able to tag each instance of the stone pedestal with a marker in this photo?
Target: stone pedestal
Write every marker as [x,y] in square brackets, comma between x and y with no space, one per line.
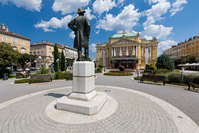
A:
[84,99]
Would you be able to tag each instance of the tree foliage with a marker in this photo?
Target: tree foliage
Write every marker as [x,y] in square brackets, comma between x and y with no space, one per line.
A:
[24,59]
[56,56]
[165,62]
[7,55]
[63,68]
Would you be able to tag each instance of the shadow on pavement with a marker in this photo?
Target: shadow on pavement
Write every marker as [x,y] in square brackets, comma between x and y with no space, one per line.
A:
[56,95]
[150,83]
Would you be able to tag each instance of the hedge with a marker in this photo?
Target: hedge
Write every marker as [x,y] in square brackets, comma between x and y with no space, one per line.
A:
[176,77]
[21,81]
[118,74]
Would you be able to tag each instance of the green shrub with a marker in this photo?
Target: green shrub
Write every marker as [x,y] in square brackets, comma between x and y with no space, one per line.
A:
[178,71]
[44,70]
[21,81]
[136,78]
[118,74]
[164,70]
[63,75]
[98,70]
[122,68]
[151,67]
[188,78]
[100,66]
[174,77]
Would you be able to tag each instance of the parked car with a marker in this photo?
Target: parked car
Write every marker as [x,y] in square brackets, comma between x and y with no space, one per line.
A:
[19,69]
[27,69]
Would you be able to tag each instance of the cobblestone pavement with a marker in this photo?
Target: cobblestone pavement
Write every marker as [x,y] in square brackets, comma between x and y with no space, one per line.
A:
[180,97]
[134,114]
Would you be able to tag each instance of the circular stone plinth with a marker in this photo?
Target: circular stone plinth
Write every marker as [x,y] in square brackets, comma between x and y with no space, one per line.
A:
[136,112]
[107,109]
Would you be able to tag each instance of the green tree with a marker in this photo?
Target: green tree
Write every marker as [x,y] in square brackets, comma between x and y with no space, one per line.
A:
[63,68]
[24,59]
[56,56]
[7,55]
[165,62]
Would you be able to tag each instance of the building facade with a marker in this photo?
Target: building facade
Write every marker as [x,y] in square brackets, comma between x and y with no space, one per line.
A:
[46,51]
[18,42]
[127,49]
[185,49]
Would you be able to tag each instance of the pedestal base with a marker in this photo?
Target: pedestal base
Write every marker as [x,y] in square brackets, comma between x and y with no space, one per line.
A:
[83,107]
[84,97]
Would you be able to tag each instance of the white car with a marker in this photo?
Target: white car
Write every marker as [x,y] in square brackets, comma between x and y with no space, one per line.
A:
[19,69]
[27,69]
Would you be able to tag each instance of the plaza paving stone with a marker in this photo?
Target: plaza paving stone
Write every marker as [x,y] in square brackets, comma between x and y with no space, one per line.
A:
[186,101]
[134,114]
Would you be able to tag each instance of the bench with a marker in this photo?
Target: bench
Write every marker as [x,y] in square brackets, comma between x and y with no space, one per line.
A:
[40,78]
[194,83]
[69,75]
[148,71]
[154,78]
[22,75]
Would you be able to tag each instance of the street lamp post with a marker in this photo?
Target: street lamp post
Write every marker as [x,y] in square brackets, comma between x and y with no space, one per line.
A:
[40,64]
[58,66]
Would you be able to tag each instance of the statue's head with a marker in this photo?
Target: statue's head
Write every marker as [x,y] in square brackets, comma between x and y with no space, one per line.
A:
[80,11]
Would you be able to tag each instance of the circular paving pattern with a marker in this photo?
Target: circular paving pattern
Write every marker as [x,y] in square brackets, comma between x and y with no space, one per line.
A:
[134,113]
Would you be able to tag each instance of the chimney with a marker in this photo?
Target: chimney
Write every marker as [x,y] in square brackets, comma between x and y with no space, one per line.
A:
[2,26]
[51,43]
[47,42]
[38,42]
[6,29]
[43,41]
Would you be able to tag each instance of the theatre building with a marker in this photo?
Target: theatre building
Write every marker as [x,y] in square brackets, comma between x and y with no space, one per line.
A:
[127,49]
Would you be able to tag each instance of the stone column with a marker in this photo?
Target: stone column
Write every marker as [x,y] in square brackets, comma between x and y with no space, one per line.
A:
[120,51]
[127,51]
[133,50]
[112,51]
[136,50]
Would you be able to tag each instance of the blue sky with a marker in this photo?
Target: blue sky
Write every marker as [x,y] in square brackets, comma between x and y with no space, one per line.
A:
[170,21]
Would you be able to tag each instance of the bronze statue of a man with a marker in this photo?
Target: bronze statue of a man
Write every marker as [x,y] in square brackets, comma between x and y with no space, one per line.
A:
[81,27]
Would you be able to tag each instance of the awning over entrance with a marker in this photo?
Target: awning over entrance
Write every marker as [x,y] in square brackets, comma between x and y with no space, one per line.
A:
[124,60]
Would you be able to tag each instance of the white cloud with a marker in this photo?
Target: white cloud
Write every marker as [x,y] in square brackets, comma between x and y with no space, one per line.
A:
[154,14]
[126,20]
[72,35]
[101,6]
[165,45]
[54,23]
[177,6]
[68,6]
[158,31]
[33,5]
[93,47]
[88,14]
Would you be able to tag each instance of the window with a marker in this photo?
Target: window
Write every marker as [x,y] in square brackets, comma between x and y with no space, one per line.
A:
[22,43]
[38,53]
[34,53]
[124,53]
[4,39]
[42,52]
[117,53]
[22,51]
[30,53]
[14,40]
[130,52]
